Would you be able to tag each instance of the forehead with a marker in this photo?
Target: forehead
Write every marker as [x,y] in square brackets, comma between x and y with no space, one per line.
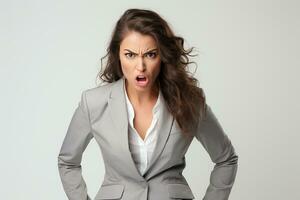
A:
[135,40]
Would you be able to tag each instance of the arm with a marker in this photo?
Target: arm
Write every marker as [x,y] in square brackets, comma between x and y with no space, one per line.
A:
[69,159]
[222,153]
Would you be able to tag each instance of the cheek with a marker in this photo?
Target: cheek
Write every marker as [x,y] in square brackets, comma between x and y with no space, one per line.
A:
[156,68]
[125,65]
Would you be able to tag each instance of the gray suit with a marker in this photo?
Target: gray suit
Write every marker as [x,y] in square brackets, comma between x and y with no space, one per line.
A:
[101,114]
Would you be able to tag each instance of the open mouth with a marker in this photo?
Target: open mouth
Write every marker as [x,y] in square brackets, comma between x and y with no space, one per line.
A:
[141,78]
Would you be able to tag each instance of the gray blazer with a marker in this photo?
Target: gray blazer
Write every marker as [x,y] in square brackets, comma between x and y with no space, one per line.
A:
[101,114]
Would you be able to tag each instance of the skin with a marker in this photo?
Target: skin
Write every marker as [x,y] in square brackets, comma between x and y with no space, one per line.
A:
[138,56]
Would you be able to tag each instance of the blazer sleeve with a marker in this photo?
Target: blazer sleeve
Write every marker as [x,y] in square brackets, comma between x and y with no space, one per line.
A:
[222,153]
[69,159]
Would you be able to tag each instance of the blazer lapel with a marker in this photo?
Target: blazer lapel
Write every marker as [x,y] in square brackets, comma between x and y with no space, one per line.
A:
[164,126]
[118,111]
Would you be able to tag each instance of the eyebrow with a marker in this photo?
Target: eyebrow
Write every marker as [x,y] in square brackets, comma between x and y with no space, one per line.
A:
[144,53]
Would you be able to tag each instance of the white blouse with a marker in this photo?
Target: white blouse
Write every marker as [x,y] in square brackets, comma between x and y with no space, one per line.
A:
[141,150]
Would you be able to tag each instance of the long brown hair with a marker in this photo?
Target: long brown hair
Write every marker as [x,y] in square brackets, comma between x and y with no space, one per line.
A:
[184,99]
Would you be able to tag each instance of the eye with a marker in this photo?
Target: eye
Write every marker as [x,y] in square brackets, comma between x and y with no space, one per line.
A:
[129,55]
[151,55]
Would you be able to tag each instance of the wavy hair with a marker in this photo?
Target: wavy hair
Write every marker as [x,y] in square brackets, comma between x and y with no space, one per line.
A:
[184,99]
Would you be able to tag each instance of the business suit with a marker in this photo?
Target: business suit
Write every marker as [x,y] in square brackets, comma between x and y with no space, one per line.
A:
[101,114]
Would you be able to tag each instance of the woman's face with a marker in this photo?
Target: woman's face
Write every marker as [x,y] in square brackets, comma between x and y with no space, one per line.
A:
[139,57]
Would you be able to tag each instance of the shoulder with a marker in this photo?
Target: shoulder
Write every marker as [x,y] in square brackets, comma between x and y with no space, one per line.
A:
[97,91]
[97,96]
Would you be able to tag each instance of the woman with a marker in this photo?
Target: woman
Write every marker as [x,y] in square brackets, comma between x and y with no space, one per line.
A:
[144,119]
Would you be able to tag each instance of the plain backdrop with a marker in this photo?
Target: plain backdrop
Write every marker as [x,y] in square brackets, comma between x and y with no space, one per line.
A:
[248,64]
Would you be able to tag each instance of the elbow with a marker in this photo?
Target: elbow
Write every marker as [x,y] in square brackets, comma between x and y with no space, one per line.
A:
[67,162]
[233,159]
[60,161]
[229,158]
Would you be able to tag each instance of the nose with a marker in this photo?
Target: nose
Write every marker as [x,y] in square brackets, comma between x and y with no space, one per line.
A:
[140,65]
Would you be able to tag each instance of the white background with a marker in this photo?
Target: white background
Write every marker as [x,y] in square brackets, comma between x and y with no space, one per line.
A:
[248,65]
